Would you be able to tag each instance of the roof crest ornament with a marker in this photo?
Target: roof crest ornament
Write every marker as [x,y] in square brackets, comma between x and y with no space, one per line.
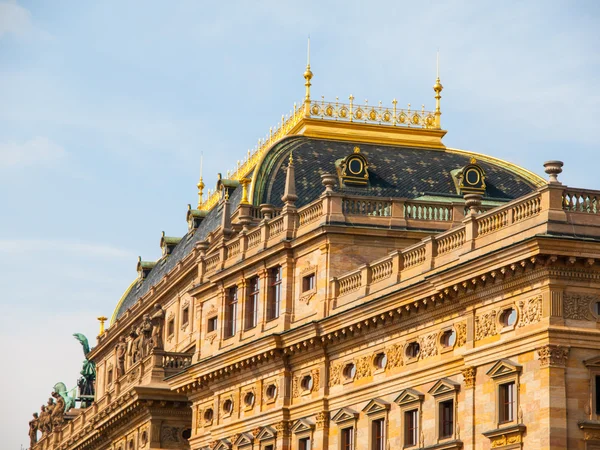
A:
[200,184]
[437,87]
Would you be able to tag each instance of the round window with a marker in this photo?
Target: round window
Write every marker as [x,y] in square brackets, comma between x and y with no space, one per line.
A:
[355,166]
[380,360]
[307,383]
[187,433]
[271,391]
[228,406]
[448,338]
[412,350]
[508,317]
[349,371]
[249,399]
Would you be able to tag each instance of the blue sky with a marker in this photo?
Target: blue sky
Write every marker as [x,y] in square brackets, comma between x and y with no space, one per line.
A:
[106,106]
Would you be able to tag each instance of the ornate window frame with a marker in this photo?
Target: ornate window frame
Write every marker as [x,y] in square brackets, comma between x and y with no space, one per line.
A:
[505,328]
[593,366]
[442,391]
[346,418]
[443,348]
[243,441]
[409,400]
[507,435]
[302,429]
[377,409]
[267,384]
[265,437]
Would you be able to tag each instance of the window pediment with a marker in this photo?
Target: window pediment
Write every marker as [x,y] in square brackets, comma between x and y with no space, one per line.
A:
[302,425]
[344,415]
[443,386]
[223,444]
[504,367]
[266,433]
[592,362]
[376,405]
[409,396]
[244,439]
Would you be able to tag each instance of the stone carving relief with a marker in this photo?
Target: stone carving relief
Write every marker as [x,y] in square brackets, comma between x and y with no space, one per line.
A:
[335,373]
[530,311]
[485,325]
[283,427]
[469,376]
[461,333]
[316,376]
[394,356]
[577,306]
[169,434]
[322,420]
[295,387]
[428,345]
[121,352]
[306,298]
[553,355]
[506,440]
[363,367]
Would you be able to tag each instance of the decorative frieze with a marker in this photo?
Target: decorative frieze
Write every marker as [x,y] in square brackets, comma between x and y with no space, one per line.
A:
[322,420]
[394,355]
[428,344]
[363,367]
[553,356]
[485,325]
[335,373]
[577,306]
[530,311]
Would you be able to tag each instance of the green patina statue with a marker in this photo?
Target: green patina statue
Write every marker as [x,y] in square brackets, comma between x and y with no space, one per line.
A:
[61,389]
[88,373]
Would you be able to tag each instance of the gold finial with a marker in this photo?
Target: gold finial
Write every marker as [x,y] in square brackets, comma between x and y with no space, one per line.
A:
[307,76]
[292,158]
[102,319]
[244,182]
[437,87]
[357,149]
[200,184]
[226,194]
[473,160]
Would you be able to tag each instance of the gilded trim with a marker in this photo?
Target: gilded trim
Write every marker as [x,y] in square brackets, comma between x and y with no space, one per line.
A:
[123,297]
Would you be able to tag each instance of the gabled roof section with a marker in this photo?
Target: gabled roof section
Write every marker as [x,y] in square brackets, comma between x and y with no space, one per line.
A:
[443,386]
[408,396]
[376,405]
[504,367]
[244,439]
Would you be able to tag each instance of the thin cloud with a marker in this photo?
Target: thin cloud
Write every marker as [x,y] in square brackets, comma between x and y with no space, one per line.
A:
[39,150]
[16,21]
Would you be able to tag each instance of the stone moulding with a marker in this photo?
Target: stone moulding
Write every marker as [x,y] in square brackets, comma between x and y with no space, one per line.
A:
[507,437]
[553,356]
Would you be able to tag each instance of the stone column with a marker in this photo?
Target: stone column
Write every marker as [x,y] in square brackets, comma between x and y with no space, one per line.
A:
[465,428]
[551,410]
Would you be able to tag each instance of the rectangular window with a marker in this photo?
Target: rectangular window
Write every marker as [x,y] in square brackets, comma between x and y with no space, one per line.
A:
[348,438]
[507,402]
[110,376]
[268,447]
[171,327]
[251,313]
[304,443]
[411,427]
[446,418]
[378,434]
[308,282]
[211,324]
[185,315]
[231,304]
[274,294]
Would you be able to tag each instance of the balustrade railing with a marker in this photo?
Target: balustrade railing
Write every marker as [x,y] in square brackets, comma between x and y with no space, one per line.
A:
[450,241]
[276,226]
[414,256]
[171,360]
[350,283]
[212,262]
[581,201]
[382,270]
[428,211]
[310,213]
[233,249]
[366,207]
[254,238]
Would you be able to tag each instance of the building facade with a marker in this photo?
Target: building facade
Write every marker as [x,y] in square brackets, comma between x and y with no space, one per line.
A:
[356,285]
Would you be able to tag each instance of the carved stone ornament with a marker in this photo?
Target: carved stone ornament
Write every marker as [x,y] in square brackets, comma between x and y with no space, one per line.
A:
[461,333]
[306,298]
[394,356]
[309,268]
[363,367]
[322,420]
[428,345]
[210,337]
[335,373]
[531,311]
[295,387]
[469,375]
[591,435]
[577,306]
[485,325]
[553,356]
[504,440]
[316,376]
[169,434]
[283,427]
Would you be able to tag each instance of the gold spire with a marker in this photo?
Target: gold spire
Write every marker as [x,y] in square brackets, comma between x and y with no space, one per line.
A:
[245,181]
[307,76]
[292,158]
[200,184]
[102,319]
[437,87]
